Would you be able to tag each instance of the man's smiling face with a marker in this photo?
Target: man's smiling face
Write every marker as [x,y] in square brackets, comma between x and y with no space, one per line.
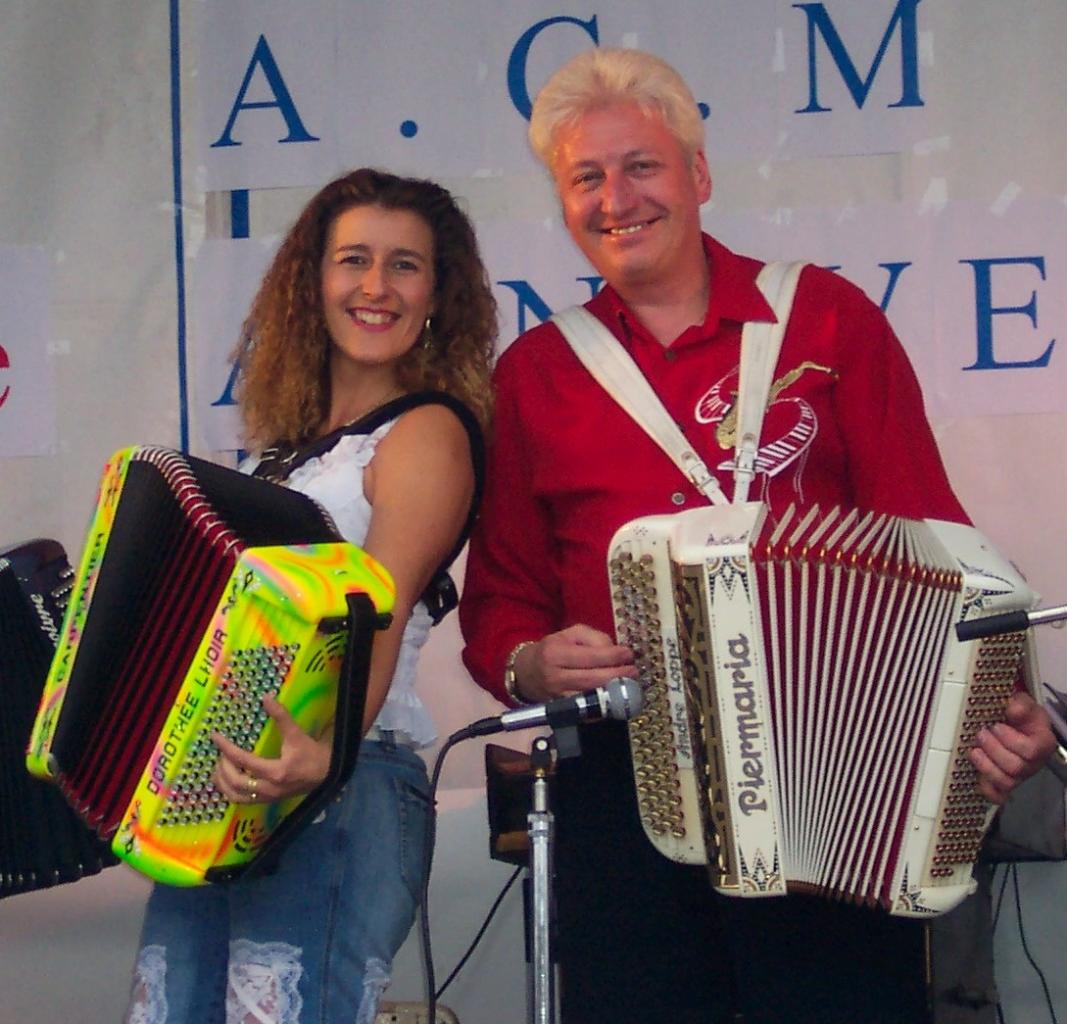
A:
[630,193]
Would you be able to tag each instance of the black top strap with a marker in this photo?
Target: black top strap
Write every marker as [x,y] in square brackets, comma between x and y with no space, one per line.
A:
[278,464]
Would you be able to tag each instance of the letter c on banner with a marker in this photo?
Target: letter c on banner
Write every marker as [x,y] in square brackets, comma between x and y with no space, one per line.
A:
[520,95]
[5,364]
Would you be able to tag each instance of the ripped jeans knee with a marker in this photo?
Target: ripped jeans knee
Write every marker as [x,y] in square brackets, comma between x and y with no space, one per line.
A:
[375,981]
[262,984]
[148,996]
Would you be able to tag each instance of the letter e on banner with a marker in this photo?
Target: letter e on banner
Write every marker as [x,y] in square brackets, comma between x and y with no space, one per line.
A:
[5,364]
[985,311]
[27,392]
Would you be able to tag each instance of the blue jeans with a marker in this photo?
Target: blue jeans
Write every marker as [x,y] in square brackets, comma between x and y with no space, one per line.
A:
[312,943]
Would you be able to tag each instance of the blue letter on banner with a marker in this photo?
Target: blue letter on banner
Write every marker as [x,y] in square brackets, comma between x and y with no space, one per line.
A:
[530,300]
[262,57]
[905,15]
[985,311]
[520,95]
[226,398]
[895,270]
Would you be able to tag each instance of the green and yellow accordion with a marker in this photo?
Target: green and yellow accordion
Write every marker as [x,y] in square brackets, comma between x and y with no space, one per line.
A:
[199,591]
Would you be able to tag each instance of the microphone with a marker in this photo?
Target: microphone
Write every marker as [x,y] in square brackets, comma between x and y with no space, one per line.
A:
[1008,622]
[621,699]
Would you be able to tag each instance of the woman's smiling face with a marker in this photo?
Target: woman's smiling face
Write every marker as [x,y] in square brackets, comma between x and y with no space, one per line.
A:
[377,283]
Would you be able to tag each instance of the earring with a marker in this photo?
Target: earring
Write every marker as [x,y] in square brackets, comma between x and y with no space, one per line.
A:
[426,341]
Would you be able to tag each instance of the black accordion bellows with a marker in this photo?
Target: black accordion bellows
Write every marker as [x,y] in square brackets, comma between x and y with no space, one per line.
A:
[42,841]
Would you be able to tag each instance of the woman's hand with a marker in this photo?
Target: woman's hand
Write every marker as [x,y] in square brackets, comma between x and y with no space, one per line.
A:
[245,778]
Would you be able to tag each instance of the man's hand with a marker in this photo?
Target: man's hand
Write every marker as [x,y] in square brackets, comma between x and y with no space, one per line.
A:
[575,659]
[1012,750]
[301,765]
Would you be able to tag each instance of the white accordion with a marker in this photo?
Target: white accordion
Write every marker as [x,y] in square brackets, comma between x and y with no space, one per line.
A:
[810,711]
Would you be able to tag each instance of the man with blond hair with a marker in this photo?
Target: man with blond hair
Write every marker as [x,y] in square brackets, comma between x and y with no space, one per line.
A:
[641,938]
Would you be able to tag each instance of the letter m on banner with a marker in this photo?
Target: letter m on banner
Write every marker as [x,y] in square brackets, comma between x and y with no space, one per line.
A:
[820,25]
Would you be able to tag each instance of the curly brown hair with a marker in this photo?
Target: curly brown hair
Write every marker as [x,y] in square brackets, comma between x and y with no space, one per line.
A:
[284,383]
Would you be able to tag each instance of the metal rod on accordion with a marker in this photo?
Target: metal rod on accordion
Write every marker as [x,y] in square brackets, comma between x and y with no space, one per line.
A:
[1009,622]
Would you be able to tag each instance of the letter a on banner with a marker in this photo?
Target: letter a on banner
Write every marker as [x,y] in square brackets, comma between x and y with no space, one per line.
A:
[264,104]
[263,58]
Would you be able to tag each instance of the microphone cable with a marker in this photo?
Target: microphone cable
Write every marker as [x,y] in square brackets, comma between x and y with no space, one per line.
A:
[424,902]
[481,932]
[433,993]
[1012,872]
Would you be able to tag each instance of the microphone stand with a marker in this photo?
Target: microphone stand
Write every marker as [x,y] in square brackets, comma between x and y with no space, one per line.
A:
[561,743]
[620,699]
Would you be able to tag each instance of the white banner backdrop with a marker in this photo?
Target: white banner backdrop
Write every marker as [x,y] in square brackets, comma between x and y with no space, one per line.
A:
[86,92]
[291,100]
[223,281]
[27,390]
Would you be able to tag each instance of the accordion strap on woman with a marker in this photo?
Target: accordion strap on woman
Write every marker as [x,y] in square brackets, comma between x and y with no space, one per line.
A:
[278,464]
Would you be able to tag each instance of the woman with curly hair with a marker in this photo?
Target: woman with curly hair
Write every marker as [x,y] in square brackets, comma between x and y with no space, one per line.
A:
[364,380]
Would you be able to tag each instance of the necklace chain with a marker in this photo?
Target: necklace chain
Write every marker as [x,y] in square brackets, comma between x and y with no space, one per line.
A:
[394,393]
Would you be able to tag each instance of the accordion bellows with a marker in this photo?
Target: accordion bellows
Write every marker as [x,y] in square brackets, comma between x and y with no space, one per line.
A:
[42,841]
[199,590]
[810,710]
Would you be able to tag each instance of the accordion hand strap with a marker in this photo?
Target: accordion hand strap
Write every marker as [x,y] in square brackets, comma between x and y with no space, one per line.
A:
[618,374]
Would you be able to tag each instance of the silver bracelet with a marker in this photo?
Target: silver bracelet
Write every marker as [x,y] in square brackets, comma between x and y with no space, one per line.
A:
[511,684]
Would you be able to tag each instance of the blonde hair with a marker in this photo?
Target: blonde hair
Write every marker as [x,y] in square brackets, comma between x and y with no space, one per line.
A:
[601,76]
[284,384]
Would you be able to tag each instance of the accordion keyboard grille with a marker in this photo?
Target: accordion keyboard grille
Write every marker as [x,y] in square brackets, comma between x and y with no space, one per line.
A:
[637,614]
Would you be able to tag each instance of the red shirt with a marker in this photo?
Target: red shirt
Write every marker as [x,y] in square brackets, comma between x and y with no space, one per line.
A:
[567,466]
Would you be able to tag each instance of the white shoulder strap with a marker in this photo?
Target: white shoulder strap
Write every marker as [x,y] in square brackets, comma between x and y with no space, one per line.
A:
[760,344]
[616,372]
